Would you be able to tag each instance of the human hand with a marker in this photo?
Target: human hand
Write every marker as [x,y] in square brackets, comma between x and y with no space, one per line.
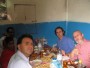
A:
[54,49]
[74,52]
[63,52]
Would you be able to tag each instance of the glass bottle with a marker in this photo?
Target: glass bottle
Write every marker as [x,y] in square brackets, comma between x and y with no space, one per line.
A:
[65,64]
[80,64]
[40,46]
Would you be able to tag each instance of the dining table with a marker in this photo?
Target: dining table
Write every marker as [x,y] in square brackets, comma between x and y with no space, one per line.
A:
[44,57]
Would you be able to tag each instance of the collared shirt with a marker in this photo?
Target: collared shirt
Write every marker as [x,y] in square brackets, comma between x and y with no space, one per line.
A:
[65,44]
[19,60]
[84,52]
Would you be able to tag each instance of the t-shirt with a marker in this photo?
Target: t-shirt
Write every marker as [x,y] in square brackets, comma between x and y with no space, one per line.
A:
[65,44]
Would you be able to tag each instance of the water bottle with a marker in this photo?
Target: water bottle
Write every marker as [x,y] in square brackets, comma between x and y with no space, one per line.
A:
[40,46]
[55,63]
[59,56]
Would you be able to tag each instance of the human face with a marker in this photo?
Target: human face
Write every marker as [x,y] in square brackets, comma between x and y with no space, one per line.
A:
[26,47]
[59,33]
[11,32]
[78,37]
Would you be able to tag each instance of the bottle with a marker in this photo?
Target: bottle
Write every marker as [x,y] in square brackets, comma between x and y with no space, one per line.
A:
[59,56]
[80,64]
[44,41]
[55,63]
[39,46]
[65,64]
[41,53]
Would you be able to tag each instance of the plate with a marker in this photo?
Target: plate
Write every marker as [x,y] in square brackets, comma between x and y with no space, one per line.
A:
[37,61]
[65,58]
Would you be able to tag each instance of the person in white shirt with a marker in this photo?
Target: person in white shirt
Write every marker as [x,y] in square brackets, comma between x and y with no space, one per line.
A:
[1,43]
[25,48]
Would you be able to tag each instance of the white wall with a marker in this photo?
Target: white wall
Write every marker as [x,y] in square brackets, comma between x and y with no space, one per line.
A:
[54,10]
[46,10]
[79,10]
[50,10]
[10,9]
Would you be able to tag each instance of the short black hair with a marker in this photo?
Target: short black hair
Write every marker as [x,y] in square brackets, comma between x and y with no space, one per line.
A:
[9,28]
[19,41]
[59,28]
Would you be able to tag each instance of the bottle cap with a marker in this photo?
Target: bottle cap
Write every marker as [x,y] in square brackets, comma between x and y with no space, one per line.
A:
[54,58]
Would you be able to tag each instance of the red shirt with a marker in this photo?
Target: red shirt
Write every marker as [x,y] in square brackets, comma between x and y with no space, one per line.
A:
[5,57]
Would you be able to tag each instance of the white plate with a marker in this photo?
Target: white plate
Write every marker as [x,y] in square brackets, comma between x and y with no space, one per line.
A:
[37,60]
[65,58]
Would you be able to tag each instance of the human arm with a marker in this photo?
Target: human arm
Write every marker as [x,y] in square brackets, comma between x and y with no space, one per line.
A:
[54,48]
[71,45]
[74,54]
[63,52]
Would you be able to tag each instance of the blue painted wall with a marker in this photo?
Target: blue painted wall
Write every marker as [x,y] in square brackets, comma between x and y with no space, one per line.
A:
[39,30]
[19,29]
[83,27]
[46,29]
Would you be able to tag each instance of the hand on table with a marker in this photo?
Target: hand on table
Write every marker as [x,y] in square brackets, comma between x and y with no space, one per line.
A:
[54,49]
[74,52]
[63,52]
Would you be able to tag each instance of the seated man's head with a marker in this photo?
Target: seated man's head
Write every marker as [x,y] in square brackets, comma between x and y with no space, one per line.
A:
[59,31]
[10,31]
[78,36]
[25,44]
